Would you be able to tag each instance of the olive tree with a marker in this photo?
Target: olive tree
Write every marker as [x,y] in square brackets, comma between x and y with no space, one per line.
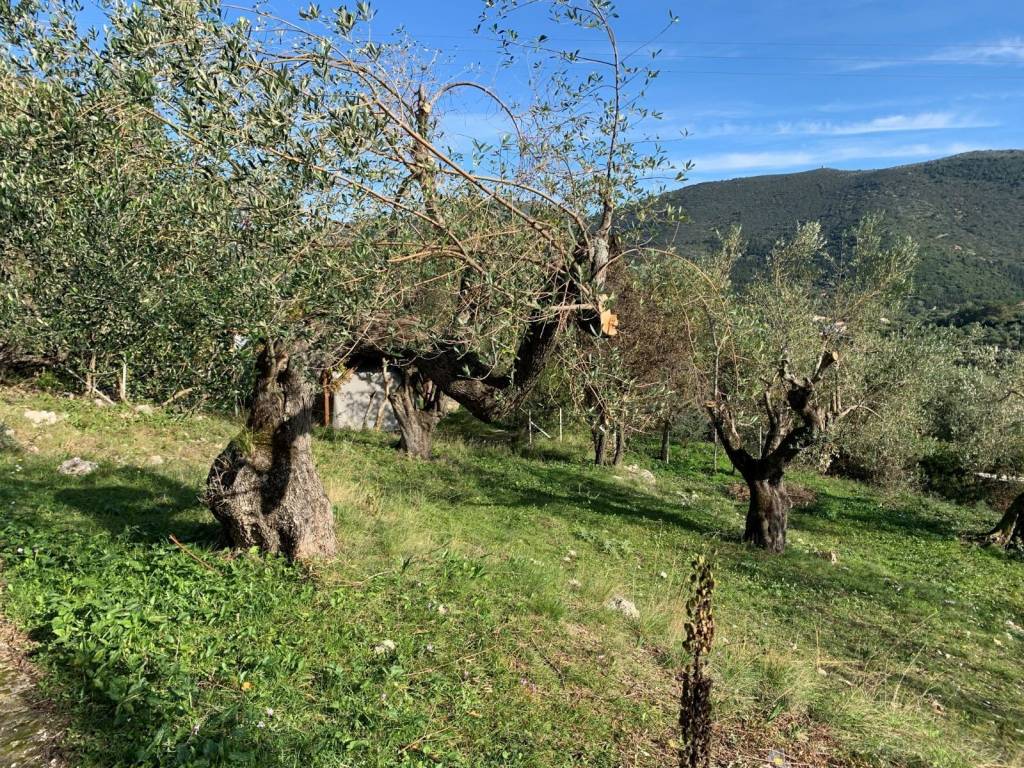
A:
[978,424]
[110,259]
[165,204]
[631,380]
[781,361]
[528,218]
[339,202]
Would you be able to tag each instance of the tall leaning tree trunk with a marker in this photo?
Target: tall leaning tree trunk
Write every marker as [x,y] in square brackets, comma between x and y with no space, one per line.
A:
[264,488]
[1010,529]
[620,446]
[417,404]
[768,512]
[599,433]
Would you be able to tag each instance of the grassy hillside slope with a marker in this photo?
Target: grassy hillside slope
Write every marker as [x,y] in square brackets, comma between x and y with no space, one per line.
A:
[489,571]
[966,211]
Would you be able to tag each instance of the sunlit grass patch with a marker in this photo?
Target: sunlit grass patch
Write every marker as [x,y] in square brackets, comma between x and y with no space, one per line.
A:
[491,572]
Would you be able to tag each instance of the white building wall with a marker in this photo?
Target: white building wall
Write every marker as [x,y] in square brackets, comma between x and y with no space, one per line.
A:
[363,390]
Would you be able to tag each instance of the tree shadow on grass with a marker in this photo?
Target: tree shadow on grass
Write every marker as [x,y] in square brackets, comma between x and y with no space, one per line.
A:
[833,510]
[561,488]
[137,503]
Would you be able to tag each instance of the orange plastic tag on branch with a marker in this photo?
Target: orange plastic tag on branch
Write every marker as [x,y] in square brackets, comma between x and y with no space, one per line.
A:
[609,323]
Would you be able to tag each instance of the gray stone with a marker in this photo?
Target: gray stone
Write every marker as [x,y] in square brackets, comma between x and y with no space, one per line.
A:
[644,475]
[77,466]
[621,605]
[385,648]
[40,418]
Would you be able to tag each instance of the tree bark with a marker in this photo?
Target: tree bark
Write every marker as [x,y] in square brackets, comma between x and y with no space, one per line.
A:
[600,435]
[620,447]
[418,406]
[1010,529]
[264,488]
[768,513]
[666,441]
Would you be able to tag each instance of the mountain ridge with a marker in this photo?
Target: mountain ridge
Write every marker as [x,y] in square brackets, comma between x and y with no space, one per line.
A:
[966,212]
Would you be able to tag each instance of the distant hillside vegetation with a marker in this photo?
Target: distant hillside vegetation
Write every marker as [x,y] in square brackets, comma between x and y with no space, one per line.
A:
[966,211]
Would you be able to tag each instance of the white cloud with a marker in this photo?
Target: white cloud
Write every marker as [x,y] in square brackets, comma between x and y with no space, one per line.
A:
[788,160]
[1008,50]
[747,161]
[924,121]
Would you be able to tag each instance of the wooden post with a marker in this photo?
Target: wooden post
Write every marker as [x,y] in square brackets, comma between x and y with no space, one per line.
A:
[366,414]
[559,425]
[382,409]
[90,377]
[327,397]
[529,425]
[122,386]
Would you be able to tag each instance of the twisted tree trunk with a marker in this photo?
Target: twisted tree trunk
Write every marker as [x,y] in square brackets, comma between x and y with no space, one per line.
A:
[1009,531]
[418,405]
[768,513]
[620,446]
[791,429]
[264,488]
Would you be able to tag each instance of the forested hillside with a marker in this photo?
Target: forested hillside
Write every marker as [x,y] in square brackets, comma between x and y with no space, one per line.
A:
[966,211]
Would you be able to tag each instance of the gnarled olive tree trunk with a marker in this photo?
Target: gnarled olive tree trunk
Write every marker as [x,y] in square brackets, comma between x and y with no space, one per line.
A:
[419,406]
[264,488]
[768,513]
[1009,530]
[792,427]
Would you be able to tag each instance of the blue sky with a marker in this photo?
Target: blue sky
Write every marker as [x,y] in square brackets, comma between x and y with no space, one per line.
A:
[768,86]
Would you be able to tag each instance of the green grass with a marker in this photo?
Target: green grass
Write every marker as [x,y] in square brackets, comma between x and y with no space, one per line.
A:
[899,654]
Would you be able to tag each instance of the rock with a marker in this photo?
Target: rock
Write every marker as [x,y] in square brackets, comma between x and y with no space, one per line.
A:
[145,409]
[621,605]
[662,575]
[99,401]
[688,498]
[8,440]
[385,648]
[43,417]
[77,467]
[641,474]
